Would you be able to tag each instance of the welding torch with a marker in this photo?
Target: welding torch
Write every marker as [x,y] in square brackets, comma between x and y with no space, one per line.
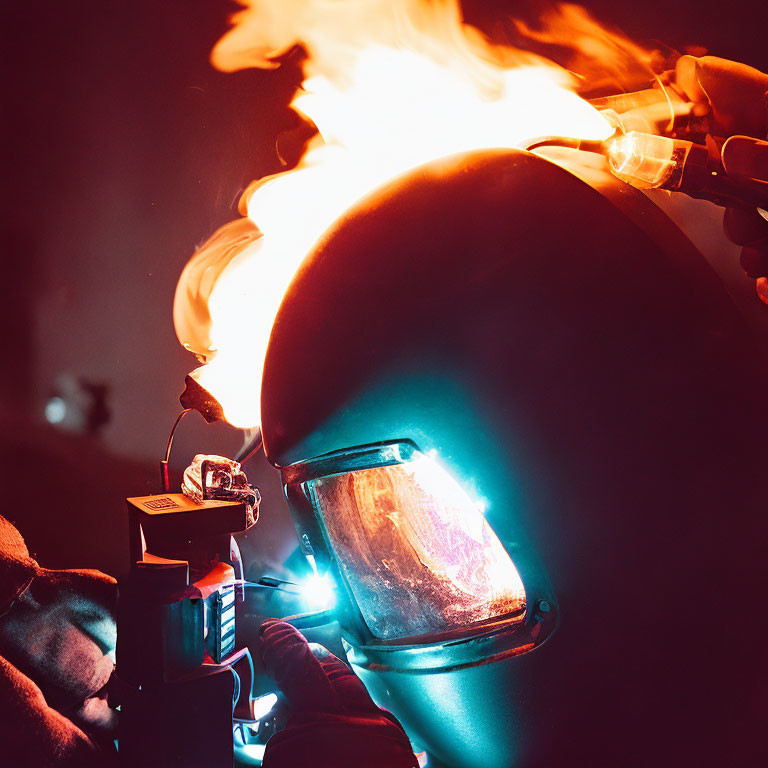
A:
[646,161]
[667,136]
[708,170]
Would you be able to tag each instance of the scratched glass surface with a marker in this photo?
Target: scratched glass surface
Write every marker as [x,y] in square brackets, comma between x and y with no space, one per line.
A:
[416,550]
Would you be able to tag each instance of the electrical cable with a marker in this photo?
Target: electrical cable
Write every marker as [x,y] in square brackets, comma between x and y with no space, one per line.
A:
[551,141]
[585,145]
[164,481]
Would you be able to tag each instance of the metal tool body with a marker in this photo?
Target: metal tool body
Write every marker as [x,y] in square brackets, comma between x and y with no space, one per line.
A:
[180,674]
[695,160]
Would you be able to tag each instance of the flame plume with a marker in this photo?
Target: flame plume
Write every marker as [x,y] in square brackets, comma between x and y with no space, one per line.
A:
[390,85]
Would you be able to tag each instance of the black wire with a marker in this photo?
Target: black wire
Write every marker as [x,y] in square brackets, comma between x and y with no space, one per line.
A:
[173,431]
[164,483]
[551,141]
[564,141]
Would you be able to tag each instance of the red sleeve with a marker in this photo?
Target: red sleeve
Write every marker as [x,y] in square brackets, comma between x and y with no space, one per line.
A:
[32,735]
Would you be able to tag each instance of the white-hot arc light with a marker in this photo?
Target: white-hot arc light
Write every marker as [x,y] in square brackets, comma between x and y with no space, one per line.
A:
[390,86]
[318,590]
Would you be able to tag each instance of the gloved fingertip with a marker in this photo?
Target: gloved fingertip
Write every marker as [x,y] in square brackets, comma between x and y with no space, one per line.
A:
[762,289]
[264,626]
[685,70]
[744,227]
[277,636]
[746,158]
[348,686]
[289,661]
[703,72]
[688,80]
[754,261]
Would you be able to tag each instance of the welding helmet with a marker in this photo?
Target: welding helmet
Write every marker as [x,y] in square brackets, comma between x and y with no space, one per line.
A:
[515,417]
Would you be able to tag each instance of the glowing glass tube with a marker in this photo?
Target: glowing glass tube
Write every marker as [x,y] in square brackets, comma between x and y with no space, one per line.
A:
[646,161]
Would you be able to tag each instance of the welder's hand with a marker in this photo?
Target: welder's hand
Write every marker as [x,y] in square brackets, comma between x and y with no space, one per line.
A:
[334,722]
[736,97]
[734,94]
[750,230]
[60,633]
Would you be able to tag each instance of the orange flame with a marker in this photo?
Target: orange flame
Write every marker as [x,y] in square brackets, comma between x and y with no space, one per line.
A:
[390,85]
[602,58]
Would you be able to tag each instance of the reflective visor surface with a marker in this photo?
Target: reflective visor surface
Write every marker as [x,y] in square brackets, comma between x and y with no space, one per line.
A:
[415,549]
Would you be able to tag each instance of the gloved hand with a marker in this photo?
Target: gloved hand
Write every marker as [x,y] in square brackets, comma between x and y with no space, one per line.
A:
[334,722]
[59,633]
[734,94]
[56,631]
[736,97]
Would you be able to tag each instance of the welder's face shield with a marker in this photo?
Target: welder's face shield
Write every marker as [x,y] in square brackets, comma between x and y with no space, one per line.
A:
[413,550]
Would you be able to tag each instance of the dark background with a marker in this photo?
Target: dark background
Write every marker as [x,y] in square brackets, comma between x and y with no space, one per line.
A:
[124,151]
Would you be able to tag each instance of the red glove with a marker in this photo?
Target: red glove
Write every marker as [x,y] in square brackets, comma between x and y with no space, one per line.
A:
[56,629]
[736,98]
[734,94]
[34,735]
[335,722]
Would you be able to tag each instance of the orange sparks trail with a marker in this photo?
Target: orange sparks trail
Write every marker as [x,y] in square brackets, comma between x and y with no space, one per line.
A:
[390,85]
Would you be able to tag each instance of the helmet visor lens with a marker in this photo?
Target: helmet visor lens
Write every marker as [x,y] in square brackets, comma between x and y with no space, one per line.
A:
[415,549]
